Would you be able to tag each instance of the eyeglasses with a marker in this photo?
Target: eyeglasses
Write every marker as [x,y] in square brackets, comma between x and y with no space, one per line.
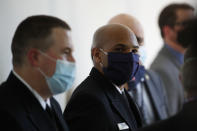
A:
[183,23]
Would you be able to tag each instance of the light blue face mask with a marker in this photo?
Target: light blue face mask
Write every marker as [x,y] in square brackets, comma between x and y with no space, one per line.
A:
[63,77]
[142,52]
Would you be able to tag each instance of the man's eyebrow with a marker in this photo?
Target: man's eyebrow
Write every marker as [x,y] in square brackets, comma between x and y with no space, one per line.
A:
[121,45]
[136,47]
[67,49]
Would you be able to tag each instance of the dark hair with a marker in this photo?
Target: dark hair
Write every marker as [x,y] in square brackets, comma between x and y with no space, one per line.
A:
[187,36]
[189,71]
[33,32]
[168,15]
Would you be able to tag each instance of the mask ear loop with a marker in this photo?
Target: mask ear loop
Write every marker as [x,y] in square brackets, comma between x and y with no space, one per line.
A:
[103,53]
[41,72]
[47,56]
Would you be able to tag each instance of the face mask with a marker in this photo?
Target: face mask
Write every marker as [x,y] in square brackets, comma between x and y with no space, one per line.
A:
[63,77]
[122,67]
[138,77]
[142,53]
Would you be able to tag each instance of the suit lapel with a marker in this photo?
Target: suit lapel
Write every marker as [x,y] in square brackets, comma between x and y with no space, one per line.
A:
[35,113]
[135,109]
[40,119]
[115,99]
[154,97]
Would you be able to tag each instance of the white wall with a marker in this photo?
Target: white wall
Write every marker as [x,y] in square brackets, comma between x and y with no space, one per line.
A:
[84,16]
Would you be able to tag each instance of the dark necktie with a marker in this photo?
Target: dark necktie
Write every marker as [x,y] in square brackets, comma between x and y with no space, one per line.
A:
[126,99]
[130,112]
[53,117]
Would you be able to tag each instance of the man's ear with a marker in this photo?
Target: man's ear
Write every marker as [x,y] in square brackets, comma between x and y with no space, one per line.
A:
[33,57]
[167,30]
[96,55]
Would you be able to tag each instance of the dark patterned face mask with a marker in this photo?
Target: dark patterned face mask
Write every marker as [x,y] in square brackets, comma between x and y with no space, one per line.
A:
[122,67]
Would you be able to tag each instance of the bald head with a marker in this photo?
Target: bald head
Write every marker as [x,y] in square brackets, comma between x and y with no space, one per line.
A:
[113,34]
[132,23]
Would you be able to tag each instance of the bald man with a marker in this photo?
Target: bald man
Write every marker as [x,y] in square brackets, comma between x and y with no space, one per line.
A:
[100,102]
[146,89]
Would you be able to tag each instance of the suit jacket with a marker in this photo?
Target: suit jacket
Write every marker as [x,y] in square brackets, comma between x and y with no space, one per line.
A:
[157,95]
[96,105]
[153,87]
[185,120]
[21,111]
[167,67]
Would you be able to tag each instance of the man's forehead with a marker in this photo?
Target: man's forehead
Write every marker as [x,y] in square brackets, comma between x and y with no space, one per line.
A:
[184,14]
[113,34]
[62,38]
[122,44]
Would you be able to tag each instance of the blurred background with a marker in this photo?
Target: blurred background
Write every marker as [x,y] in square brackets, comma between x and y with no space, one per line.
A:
[84,17]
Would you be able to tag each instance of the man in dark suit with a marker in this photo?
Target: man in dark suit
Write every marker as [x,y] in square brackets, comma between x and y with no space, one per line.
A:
[168,61]
[186,119]
[100,103]
[42,67]
[146,89]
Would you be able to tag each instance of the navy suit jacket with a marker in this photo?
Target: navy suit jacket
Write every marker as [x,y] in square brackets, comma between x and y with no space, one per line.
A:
[153,86]
[96,105]
[21,111]
[157,94]
[185,120]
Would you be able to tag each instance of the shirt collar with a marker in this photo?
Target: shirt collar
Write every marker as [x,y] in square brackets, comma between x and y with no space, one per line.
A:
[178,55]
[120,90]
[37,96]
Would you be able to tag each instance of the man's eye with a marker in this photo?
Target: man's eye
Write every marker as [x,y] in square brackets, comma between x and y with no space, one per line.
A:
[119,50]
[134,51]
[67,52]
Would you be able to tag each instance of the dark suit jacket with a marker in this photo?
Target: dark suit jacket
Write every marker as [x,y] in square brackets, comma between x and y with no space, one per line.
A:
[96,105]
[167,67]
[21,111]
[185,120]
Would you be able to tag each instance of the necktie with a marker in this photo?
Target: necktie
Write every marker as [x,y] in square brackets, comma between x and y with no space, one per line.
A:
[53,117]
[49,111]
[126,99]
[130,112]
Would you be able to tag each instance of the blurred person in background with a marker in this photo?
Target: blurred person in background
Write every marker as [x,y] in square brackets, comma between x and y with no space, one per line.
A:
[146,89]
[169,60]
[185,120]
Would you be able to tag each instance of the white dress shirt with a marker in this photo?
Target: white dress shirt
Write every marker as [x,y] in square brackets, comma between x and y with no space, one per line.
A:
[120,90]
